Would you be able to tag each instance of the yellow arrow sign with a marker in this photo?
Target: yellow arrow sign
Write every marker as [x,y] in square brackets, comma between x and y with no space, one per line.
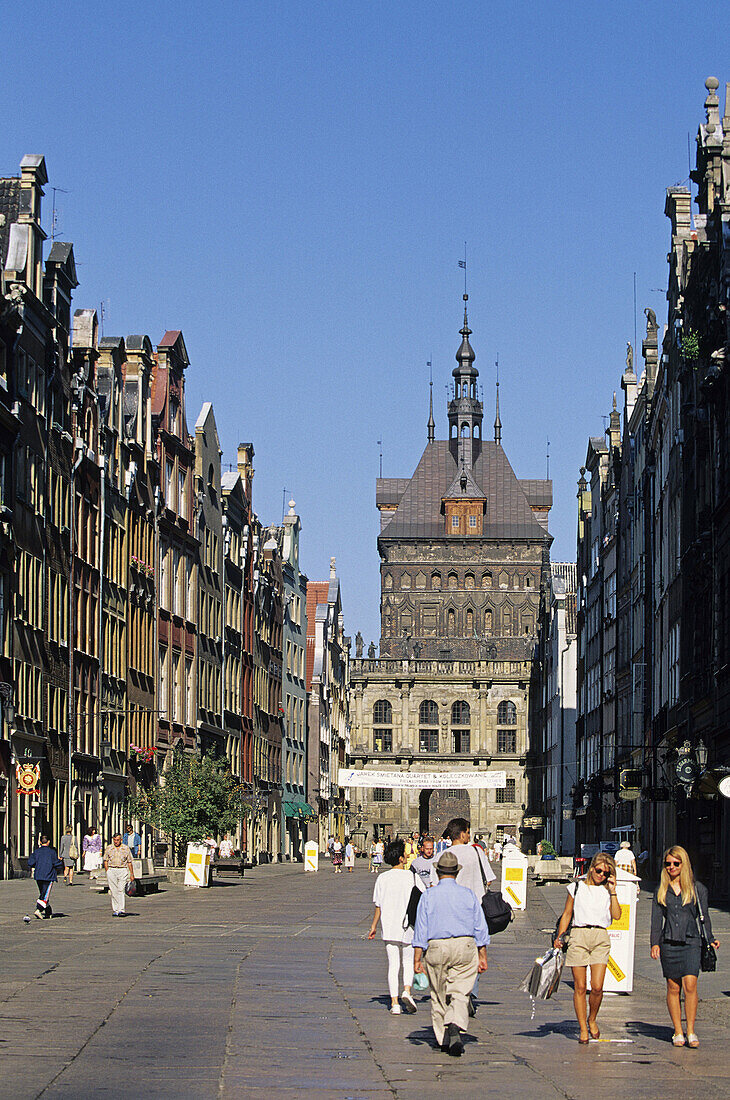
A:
[616,970]
[512,894]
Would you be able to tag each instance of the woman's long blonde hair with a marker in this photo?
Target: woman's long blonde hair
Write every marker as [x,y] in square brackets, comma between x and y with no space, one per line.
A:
[686,878]
[602,859]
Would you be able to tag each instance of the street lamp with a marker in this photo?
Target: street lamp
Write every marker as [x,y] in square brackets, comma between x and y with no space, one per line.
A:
[701,754]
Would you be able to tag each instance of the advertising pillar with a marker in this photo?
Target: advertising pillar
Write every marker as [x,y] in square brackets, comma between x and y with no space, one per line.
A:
[622,934]
[311,856]
[514,879]
[197,865]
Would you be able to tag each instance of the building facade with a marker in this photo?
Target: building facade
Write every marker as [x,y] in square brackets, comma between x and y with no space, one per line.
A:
[464,549]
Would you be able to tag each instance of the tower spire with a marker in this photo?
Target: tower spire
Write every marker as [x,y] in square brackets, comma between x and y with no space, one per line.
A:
[431,421]
[465,408]
[497,421]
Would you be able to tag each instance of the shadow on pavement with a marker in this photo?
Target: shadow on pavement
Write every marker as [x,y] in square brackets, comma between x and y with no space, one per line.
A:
[662,1032]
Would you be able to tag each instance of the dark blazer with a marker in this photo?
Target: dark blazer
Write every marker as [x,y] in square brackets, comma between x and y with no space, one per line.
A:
[677,922]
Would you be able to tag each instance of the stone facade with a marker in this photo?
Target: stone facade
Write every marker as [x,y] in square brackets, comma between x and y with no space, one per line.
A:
[464,548]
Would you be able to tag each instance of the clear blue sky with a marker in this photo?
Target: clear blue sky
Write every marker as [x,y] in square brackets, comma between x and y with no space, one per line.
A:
[292,184]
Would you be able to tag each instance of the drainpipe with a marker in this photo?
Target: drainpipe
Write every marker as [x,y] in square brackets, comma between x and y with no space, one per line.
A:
[71,721]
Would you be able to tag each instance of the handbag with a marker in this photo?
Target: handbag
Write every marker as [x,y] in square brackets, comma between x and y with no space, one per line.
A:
[708,955]
[544,977]
[409,920]
[73,852]
[497,912]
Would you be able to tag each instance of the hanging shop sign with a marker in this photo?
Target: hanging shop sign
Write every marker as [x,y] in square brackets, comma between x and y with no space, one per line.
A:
[462,781]
[28,777]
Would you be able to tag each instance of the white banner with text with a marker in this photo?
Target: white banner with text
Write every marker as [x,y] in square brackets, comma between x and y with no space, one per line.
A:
[462,781]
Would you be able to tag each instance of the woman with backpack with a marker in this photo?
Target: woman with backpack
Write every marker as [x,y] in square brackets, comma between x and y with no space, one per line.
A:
[391,897]
[680,921]
[592,906]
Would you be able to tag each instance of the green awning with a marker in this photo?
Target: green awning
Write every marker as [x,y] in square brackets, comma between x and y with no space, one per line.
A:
[307,812]
[300,809]
[291,809]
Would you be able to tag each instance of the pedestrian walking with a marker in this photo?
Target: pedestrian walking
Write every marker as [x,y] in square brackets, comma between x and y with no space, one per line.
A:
[378,855]
[119,871]
[390,897]
[133,841]
[592,905]
[475,873]
[68,851]
[45,864]
[349,856]
[423,864]
[452,931]
[411,849]
[337,856]
[626,861]
[679,909]
[91,847]
[371,857]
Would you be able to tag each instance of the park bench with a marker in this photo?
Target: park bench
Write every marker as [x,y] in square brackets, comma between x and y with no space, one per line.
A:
[146,875]
[559,869]
[235,865]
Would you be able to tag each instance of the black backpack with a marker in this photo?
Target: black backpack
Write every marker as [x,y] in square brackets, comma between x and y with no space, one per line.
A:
[409,920]
[497,912]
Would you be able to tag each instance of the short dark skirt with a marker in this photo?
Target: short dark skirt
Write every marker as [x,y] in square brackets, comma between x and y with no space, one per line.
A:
[680,959]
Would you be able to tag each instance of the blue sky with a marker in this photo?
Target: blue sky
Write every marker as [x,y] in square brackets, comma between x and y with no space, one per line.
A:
[292,184]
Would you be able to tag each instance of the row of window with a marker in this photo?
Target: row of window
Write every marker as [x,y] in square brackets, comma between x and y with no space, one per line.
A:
[428,713]
[502,794]
[469,624]
[504,579]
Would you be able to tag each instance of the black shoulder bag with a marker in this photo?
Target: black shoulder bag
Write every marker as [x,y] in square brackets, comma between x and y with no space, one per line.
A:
[497,912]
[708,957]
[409,920]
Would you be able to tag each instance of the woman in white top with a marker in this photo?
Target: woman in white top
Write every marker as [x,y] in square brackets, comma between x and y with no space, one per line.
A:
[592,905]
[391,896]
[349,856]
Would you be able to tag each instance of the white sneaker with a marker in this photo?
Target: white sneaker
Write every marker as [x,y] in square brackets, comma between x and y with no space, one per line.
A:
[395,1010]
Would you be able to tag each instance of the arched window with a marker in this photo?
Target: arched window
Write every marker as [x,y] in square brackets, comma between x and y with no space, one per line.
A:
[451,623]
[528,581]
[486,580]
[405,581]
[469,580]
[464,431]
[382,726]
[428,720]
[506,727]
[460,722]
[453,580]
[387,581]
[469,623]
[435,581]
[477,432]
[488,620]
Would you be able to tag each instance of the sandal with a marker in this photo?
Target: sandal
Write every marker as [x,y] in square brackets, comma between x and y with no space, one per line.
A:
[594,1034]
[582,1041]
[678,1040]
[692,1040]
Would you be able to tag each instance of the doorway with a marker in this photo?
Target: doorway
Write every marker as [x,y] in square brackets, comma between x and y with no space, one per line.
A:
[437,807]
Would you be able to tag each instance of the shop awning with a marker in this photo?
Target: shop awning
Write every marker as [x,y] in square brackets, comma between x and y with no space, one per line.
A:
[300,809]
[291,809]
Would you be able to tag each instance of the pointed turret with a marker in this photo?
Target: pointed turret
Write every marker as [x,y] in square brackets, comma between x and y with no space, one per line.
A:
[465,409]
[431,421]
[497,421]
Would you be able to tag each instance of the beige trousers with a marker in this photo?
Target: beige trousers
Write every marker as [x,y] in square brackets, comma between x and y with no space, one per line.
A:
[451,966]
[117,877]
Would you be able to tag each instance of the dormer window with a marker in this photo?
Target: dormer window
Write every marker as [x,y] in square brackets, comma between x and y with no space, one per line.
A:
[455,523]
[472,521]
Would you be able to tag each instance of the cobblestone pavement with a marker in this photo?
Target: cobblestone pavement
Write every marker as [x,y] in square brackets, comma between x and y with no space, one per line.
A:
[269,985]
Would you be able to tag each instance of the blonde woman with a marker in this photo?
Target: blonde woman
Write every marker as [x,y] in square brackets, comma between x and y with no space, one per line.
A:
[592,905]
[676,939]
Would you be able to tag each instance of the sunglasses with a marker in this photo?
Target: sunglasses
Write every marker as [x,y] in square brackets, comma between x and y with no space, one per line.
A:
[601,871]
[673,863]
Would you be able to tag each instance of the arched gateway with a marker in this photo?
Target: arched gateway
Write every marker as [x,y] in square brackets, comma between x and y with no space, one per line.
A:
[436,808]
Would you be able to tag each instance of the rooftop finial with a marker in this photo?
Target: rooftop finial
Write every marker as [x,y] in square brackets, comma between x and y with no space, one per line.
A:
[497,421]
[431,421]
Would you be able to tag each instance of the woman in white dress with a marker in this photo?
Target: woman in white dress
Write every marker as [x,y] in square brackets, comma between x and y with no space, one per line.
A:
[391,896]
[349,856]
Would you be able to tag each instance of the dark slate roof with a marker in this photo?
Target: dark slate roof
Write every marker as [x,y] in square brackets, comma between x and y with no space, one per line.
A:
[538,492]
[389,490]
[60,252]
[9,209]
[508,513]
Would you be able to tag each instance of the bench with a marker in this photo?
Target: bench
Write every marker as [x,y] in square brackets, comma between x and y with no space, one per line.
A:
[559,869]
[146,875]
[235,865]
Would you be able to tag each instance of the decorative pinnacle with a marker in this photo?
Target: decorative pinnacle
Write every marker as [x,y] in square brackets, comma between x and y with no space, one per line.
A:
[497,421]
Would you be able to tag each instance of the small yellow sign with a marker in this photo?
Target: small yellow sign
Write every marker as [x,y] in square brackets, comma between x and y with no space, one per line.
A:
[514,874]
[622,924]
[512,894]
[615,970]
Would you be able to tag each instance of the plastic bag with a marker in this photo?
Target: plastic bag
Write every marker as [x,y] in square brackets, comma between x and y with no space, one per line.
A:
[420,983]
[544,977]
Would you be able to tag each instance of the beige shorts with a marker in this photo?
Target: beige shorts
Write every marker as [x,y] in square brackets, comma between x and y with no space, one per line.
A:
[588,947]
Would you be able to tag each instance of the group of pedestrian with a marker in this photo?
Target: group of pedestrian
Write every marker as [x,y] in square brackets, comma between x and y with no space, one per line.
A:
[117,860]
[433,924]
[341,852]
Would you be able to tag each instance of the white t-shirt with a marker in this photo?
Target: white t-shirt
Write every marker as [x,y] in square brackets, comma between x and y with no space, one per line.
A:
[625,858]
[591,904]
[469,874]
[391,894]
[425,869]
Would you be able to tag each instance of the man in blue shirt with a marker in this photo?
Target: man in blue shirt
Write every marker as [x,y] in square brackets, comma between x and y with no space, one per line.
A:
[133,841]
[452,931]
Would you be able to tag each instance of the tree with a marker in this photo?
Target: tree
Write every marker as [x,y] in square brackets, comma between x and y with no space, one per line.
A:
[195,798]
